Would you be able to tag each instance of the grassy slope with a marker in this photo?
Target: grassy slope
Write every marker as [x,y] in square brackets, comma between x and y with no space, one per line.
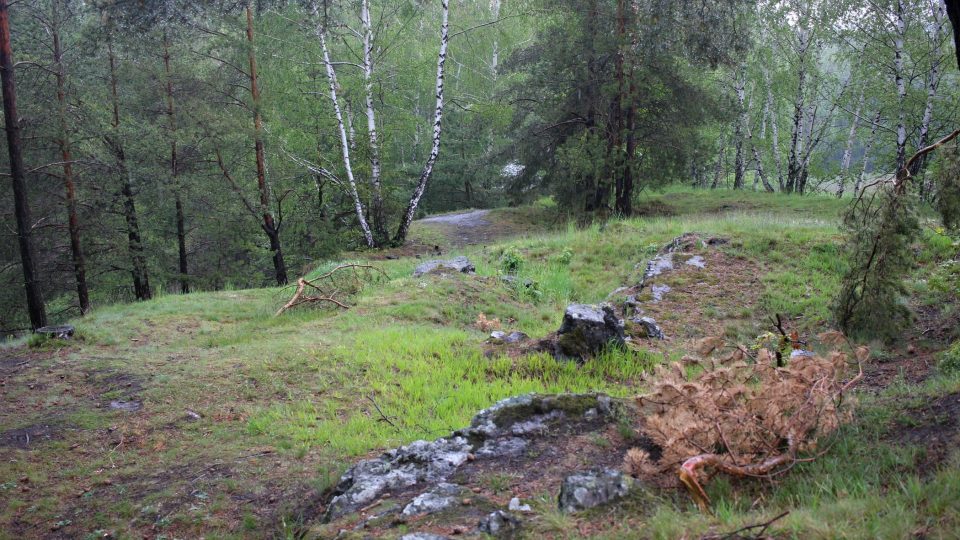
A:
[288,402]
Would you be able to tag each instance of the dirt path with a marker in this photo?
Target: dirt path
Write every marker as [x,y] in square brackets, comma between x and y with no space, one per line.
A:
[464,228]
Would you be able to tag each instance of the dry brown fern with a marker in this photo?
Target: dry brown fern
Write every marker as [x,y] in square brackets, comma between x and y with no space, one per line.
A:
[741,415]
[485,325]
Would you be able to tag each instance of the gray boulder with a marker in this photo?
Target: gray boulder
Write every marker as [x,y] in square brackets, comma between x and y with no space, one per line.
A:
[457,264]
[500,524]
[423,536]
[588,329]
[588,489]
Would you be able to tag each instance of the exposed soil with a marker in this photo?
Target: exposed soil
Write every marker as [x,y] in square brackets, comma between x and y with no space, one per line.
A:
[25,437]
[935,427]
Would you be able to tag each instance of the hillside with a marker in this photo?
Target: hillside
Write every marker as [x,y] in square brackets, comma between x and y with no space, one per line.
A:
[208,415]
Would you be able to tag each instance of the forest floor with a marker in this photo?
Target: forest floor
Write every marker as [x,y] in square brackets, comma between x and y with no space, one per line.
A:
[207,415]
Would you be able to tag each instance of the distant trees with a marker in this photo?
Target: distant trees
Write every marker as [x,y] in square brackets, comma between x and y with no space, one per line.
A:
[166,142]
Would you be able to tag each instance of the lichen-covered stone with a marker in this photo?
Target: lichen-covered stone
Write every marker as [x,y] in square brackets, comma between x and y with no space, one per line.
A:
[500,524]
[647,328]
[423,536]
[588,329]
[439,498]
[499,336]
[406,466]
[457,264]
[588,489]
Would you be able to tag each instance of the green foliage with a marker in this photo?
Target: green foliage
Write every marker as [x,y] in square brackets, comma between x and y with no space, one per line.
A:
[947,178]
[880,229]
[949,362]
[511,261]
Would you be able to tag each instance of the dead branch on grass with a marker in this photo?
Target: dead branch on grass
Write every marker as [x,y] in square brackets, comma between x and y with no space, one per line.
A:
[342,280]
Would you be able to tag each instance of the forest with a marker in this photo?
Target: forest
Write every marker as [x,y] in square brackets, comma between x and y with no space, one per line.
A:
[173,147]
[432,269]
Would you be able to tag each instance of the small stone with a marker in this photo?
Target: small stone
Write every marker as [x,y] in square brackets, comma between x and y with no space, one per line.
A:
[592,488]
[648,328]
[515,506]
[911,349]
[422,536]
[500,524]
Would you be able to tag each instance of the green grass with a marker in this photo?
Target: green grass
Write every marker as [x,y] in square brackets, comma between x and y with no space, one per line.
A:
[307,385]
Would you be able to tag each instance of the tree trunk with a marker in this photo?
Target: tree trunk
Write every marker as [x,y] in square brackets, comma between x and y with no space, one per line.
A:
[900,29]
[174,173]
[953,10]
[66,155]
[796,135]
[138,271]
[38,316]
[495,56]
[378,219]
[740,169]
[933,82]
[718,170]
[344,142]
[270,227]
[624,113]
[866,154]
[756,158]
[848,149]
[411,210]
[774,131]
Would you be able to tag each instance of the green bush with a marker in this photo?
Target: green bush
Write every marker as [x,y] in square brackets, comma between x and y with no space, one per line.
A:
[511,261]
[950,359]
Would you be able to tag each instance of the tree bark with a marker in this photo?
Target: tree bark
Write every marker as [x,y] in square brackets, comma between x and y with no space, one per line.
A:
[66,155]
[495,55]
[38,315]
[377,217]
[174,174]
[138,271]
[411,210]
[270,226]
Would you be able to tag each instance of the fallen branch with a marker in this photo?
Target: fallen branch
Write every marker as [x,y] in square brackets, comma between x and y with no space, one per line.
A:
[330,279]
[736,534]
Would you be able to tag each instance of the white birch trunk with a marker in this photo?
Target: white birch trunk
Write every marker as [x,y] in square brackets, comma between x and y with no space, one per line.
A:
[796,134]
[344,142]
[437,118]
[495,57]
[376,210]
[774,132]
[933,77]
[900,29]
[740,169]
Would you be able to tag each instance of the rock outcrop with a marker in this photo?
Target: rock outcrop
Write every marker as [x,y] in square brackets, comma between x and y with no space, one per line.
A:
[504,430]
